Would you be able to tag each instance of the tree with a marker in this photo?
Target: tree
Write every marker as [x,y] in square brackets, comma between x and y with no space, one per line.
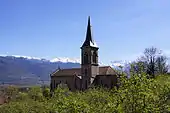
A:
[138,67]
[11,92]
[152,62]
[151,55]
[162,67]
[35,93]
[46,93]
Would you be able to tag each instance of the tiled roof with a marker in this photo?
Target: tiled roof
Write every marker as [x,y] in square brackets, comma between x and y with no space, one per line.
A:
[66,72]
[77,71]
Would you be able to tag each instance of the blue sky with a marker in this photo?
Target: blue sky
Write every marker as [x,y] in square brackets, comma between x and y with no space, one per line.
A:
[56,28]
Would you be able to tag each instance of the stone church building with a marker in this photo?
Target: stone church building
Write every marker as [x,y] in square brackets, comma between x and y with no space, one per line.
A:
[90,72]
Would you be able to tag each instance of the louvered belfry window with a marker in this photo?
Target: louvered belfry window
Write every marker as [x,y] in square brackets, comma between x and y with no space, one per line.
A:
[94,57]
[85,58]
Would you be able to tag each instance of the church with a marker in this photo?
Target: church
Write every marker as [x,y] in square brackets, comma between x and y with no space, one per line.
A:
[90,73]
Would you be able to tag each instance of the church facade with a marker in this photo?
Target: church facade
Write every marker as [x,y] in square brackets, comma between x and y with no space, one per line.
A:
[90,72]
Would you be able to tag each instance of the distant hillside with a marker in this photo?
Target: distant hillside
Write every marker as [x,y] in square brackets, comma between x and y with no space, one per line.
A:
[24,71]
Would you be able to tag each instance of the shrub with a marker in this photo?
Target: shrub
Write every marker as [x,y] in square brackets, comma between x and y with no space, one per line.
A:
[137,94]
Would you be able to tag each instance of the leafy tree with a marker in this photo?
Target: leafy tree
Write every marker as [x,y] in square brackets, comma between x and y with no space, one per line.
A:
[150,56]
[22,96]
[152,62]
[11,92]
[136,94]
[35,93]
[46,93]
[162,67]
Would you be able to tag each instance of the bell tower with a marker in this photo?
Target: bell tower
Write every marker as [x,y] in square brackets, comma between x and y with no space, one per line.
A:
[89,58]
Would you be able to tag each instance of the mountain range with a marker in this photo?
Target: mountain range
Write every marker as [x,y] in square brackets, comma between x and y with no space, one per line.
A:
[24,70]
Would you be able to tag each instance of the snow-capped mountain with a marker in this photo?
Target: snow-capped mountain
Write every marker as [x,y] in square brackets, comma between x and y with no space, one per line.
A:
[57,59]
[65,59]
[120,63]
[17,69]
[19,56]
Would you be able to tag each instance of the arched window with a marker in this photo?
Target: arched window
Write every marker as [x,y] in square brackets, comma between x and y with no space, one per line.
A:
[51,86]
[101,82]
[86,84]
[94,57]
[85,72]
[54,84]
[85,58]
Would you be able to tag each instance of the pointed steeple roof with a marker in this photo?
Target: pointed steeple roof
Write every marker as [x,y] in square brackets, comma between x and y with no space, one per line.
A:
[89,39]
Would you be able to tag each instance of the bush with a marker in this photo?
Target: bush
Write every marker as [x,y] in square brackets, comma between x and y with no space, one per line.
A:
[137,94]
[35,93]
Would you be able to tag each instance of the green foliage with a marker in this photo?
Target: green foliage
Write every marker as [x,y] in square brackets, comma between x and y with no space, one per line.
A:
[140,94]
[35,93]
[11,90]
[22,96]
[28,106]
[152,62]
[46,93]
[137,94]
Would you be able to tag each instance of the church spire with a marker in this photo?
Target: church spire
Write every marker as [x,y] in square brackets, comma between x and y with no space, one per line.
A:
[89,39]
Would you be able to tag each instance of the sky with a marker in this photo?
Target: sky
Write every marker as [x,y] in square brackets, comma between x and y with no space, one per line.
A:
[56,28]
